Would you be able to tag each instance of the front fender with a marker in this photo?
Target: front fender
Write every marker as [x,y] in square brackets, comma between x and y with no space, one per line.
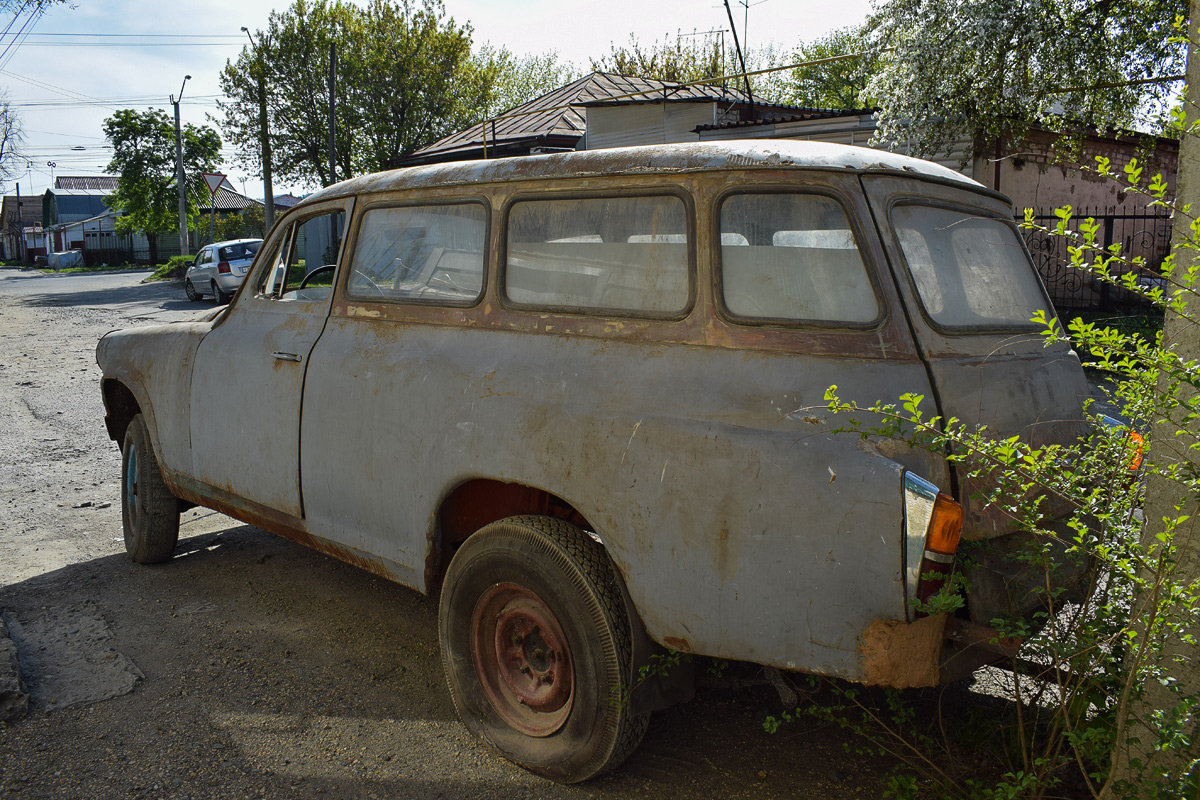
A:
[155,365]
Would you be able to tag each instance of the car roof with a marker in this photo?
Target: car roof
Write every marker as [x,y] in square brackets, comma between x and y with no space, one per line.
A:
[232,241]
[661,159]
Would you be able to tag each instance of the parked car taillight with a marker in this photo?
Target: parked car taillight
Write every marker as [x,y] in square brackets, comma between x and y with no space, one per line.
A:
[934,526]
[223,268]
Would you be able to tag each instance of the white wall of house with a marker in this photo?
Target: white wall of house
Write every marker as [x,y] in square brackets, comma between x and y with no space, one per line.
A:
[646,123]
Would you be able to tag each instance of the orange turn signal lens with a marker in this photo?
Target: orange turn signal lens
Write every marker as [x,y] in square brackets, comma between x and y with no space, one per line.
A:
[1139,447]
[945,528]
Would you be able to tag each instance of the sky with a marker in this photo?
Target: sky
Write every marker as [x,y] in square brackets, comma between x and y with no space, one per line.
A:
[70,69]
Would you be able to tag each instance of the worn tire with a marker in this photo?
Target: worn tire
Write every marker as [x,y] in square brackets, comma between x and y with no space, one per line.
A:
[192,294]
[540,569]
[149,512]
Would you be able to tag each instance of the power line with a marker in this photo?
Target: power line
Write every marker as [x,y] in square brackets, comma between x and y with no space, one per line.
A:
[145,35]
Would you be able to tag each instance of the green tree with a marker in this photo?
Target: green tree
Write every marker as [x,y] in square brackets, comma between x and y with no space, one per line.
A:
[249,223]
[144,162]
[410,80]
[405,78]
[988,70]
[519,79]
[694,58]
[688,59]
[834,84]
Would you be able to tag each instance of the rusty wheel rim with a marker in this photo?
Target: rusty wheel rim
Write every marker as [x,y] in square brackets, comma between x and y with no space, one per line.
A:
[522,659]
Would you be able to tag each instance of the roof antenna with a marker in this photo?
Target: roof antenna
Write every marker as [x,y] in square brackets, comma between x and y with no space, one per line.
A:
[741,58]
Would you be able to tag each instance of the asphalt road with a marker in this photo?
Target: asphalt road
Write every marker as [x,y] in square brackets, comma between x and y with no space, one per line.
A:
[249,666]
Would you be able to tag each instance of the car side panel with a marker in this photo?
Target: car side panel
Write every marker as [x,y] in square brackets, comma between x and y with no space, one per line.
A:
[742,526]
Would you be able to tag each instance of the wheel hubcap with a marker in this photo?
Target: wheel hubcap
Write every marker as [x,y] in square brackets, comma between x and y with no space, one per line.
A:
[522,659]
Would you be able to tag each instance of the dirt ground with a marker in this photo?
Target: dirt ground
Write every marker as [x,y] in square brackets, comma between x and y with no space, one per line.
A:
[248,666]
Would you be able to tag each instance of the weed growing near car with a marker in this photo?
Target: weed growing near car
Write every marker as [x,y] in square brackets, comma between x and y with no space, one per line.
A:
[1102,674]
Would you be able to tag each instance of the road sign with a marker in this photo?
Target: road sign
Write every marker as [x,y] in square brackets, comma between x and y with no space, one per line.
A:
[214,181]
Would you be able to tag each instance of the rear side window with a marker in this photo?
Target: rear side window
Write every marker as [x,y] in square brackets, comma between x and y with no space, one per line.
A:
[421,253]
[616,253]
[236,252]
[793,257]
[971,272]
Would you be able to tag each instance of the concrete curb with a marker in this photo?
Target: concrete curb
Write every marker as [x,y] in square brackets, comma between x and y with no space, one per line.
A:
[14,700]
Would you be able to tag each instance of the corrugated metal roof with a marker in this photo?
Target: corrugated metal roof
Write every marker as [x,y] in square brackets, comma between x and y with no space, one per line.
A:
[558,114]
[797,116]
[229,200]
[91,183]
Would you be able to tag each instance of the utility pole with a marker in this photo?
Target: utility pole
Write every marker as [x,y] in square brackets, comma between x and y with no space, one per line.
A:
[20,228]
[264,136]
[179,177]
[741,58]
[332,106]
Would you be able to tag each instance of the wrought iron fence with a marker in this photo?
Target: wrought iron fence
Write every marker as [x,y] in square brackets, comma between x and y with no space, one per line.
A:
[1143,233]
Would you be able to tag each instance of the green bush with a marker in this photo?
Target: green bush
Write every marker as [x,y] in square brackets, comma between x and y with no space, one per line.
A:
[173,270]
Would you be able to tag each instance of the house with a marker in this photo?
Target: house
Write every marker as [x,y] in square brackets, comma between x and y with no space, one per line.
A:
[21,235]
[75,217]
[580,116]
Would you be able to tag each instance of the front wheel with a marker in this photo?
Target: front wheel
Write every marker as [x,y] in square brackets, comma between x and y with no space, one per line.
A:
[192,294]
[149,512]
[536,647]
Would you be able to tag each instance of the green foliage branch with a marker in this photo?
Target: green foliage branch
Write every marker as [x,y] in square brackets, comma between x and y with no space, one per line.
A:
[1079,686]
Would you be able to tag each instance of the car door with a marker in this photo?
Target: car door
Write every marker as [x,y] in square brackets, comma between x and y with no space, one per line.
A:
[202,270]
[249,371]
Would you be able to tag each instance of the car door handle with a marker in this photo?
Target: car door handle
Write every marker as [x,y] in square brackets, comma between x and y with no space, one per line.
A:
[286,357]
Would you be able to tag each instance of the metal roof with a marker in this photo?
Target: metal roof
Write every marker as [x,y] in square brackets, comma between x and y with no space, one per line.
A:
[229,200]
[557,116]
[795,115]
[90,183]
[690,157]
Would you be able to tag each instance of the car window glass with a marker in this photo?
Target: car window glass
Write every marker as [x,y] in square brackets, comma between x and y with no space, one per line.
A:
[305,265]
[427,253]
[793,257]
[620,253]
[969,271]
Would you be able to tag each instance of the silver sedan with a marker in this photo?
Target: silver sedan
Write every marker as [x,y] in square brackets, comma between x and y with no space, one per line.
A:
[220,268]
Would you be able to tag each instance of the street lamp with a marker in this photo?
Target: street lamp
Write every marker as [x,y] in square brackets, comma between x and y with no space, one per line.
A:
[264,137]
[179,179]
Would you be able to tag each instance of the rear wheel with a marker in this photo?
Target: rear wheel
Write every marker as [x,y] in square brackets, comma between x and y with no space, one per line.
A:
[149,512]
[219,295]
[536,646]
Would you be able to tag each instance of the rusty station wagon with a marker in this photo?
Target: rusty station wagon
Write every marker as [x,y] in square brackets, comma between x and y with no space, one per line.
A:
[578,397]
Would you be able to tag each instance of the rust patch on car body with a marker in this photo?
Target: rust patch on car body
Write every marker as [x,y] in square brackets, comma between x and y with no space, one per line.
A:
[678,643]
[903,655]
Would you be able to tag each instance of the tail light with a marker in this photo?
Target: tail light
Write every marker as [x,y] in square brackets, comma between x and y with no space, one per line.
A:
[933,528]
[223,268]
[1137,442]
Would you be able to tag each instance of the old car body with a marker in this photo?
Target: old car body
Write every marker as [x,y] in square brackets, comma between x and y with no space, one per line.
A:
[483,355]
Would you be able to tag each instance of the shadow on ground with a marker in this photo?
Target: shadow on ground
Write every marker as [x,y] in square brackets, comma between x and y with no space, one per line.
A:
[272,669]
